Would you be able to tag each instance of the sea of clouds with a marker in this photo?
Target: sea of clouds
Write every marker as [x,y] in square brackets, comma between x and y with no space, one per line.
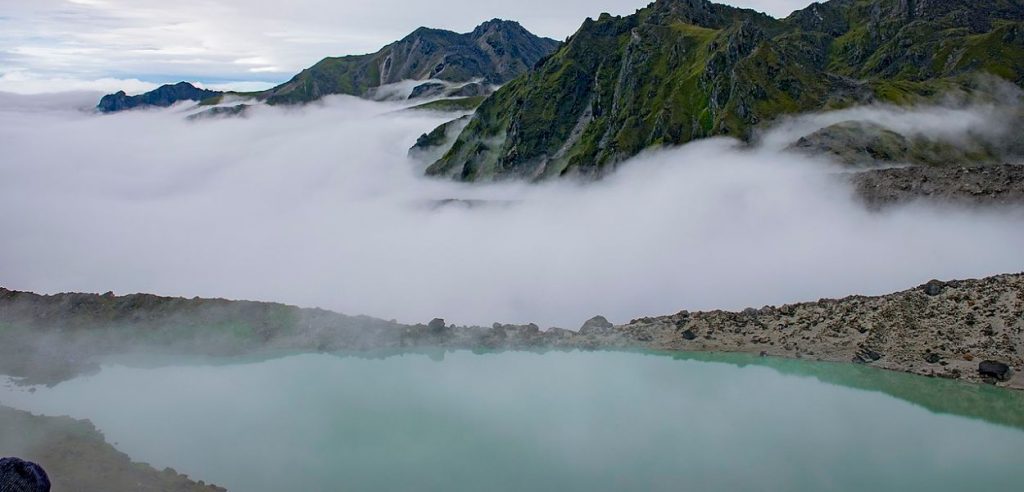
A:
[320,206]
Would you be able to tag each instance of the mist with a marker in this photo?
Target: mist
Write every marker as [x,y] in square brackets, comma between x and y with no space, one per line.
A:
[320,206]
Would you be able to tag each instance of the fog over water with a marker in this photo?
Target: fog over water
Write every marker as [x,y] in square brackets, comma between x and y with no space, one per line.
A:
[319,206]
[608,421]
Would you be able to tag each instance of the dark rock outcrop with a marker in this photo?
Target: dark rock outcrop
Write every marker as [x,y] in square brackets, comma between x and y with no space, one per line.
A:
[437,325]
[162,97]
[857,143]
[994,369]
[934,287]
[17,475]
[236,111]
[473,89]
[867,356]
[431,145]
[430,89]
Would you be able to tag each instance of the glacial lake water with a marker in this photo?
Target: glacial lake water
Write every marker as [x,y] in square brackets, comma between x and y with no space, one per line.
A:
[554,421]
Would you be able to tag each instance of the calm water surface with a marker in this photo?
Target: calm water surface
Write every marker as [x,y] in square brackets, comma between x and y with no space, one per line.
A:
[555,421]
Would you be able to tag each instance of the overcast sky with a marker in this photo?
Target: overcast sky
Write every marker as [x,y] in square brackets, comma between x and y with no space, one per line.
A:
[104,45]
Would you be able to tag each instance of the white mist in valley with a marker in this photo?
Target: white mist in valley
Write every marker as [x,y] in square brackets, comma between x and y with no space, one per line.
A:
[319,206]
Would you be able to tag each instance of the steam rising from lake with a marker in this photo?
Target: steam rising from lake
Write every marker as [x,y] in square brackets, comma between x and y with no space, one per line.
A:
[319,206]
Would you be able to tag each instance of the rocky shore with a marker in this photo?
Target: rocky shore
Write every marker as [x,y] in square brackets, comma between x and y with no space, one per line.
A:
[970,330]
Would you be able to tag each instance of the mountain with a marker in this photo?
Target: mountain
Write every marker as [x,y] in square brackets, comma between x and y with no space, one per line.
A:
[162,97]
[494,53]
[451,64]
[680,70]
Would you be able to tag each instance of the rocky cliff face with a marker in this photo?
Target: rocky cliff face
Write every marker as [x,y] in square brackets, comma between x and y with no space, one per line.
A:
[162,97]
[681,70]
[493,53]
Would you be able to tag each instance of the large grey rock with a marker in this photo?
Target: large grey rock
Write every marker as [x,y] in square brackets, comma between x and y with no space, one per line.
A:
[596,326]
[934,288]
[437,325]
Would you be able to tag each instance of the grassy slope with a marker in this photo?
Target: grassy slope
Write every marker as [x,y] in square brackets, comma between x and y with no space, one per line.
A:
[673,73]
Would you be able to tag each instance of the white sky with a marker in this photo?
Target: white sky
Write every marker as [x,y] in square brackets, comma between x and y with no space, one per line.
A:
[105,45]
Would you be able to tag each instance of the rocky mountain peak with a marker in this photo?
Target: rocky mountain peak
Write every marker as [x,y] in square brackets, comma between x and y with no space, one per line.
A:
[498,25]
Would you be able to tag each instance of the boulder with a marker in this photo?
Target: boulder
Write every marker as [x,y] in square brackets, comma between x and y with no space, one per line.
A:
[994,369]
[596,325]
[867,356]
[437,325]
[934,288]
[17,475]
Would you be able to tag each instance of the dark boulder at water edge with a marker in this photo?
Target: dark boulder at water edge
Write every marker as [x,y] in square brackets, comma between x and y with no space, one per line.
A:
[994,369]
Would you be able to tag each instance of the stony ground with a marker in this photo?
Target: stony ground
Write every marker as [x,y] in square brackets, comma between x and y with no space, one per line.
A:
[944,329]
[974,186]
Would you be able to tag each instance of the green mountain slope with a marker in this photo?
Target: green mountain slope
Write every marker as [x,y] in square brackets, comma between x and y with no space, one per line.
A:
[496,51]
[680,70]
[492,54]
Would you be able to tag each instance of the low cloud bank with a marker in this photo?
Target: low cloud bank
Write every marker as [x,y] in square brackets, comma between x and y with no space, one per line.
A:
[319,206]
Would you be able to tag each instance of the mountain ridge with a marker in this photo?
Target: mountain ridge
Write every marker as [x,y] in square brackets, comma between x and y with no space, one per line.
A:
[681,70]
[493,53]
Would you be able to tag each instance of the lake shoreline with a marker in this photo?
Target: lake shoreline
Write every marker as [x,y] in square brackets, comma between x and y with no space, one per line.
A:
[940,329]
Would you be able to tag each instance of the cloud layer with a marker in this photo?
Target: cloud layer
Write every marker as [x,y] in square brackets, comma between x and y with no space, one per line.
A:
[319,206]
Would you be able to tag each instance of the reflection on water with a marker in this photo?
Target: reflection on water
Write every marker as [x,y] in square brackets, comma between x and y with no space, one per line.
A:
[996,405]
[555,421]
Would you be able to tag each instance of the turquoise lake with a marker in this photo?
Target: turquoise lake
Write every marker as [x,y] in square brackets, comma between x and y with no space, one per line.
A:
[554,421]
